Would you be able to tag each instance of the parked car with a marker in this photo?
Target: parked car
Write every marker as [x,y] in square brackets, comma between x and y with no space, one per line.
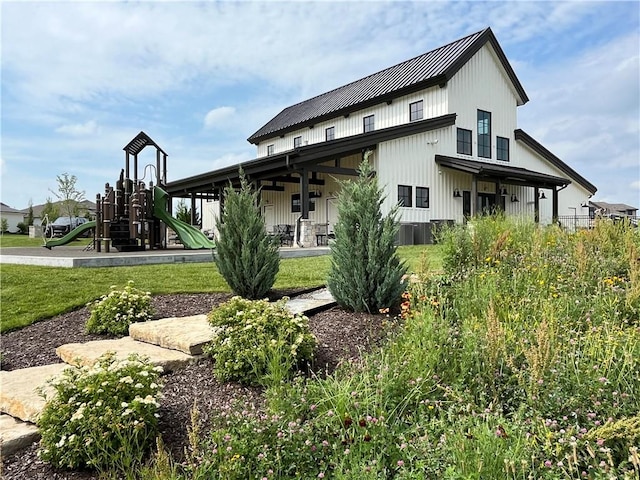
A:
[63,225]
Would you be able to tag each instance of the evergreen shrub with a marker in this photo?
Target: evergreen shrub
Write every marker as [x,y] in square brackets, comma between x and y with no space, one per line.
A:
[246,256]
[366,272]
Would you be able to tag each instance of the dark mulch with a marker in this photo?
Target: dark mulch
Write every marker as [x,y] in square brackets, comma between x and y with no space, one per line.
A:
[340,335]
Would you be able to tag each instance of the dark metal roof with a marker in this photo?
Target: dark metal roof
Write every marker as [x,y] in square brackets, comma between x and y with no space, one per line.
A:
[511,175]
[529,141]
[139,142]
[432,68]
[303,157]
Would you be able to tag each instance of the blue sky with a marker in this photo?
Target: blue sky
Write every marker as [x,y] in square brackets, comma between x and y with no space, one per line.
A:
[81,79]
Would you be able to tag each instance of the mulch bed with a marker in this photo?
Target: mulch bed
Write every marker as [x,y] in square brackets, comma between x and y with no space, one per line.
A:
[340,335]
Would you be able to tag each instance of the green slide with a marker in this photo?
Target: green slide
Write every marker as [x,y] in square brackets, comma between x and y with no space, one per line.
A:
[191,237]
[69,237]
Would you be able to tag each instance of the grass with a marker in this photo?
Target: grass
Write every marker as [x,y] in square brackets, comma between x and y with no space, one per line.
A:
[15,240]
[52,291]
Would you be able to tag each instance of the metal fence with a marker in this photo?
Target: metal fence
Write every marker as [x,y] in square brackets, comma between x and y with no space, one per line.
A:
[574,223]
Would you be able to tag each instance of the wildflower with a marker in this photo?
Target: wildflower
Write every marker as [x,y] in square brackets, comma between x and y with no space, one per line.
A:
[400,463]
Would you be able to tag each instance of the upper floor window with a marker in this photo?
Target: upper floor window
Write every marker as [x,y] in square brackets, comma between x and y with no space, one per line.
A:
[404,195]
[270,149]
[464,141]
[484,134]
[368,124]
[422,197]
[330,133]
[502,148]
[297,142]
[416,110]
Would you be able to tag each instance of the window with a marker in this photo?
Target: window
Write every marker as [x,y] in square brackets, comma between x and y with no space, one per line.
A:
[415,111]
[269,149]
[502,148]
[296,203]
[404,196]
[464,141]
[368,123]
[297,142]
[422,197]
[330,133]
[484,134]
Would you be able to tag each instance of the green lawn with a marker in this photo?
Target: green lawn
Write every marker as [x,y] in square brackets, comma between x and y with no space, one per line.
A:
[14,240]
[31,293]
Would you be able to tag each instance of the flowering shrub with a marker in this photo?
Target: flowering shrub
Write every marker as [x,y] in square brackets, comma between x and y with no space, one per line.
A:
[102,414]
[114,313]
[253,339]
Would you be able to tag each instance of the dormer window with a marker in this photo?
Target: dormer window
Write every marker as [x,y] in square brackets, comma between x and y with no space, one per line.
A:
[502,149]
[416,110]
[270,149]
[297,142]
[484,134]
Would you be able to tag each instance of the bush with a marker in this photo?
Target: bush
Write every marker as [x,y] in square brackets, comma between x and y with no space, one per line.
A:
[114,312]
[247,257]
[366,271]
[102,416]
[257,341]
[23,228]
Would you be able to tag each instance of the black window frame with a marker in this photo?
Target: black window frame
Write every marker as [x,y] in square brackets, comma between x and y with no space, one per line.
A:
[330,133]
[422,200]
[465,142]
[484,137]
[416,111]
[271,149]
[368,123]
[296,203]
[297,141]
[405,192]
[502,153]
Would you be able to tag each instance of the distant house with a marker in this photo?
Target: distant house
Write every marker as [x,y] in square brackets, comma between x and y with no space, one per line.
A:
[604,208]
[12,216]
[85,207]
[440,131]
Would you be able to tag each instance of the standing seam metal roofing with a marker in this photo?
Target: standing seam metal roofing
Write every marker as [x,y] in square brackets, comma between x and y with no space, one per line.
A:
[441,63]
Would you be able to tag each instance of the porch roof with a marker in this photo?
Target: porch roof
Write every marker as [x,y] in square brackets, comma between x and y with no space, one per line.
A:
[504,173]
[306,157]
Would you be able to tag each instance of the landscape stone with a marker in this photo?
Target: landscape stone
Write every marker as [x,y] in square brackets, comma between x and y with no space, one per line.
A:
[86,354]
[185,334]
[19,395]
[16,435]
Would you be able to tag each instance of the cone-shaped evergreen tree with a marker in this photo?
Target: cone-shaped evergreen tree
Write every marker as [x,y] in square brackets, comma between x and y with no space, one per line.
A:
[366,271]
[246,256]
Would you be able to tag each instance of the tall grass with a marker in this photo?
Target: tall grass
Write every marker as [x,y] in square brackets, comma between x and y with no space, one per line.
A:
[521,361]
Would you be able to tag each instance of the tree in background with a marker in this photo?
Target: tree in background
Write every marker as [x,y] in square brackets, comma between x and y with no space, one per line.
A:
[30,214]
[366,272]
[68,195]
[4,226]
[50,211]
[247,257]
[184,214]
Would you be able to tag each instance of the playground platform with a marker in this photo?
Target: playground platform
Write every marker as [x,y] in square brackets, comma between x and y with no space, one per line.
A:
[76,257]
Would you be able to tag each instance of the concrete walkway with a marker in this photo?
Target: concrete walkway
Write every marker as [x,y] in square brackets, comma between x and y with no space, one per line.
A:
[74,257]
[170,342]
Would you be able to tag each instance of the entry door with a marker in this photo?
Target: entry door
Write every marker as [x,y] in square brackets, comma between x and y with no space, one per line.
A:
[487,203]
[268,214]
[332,213]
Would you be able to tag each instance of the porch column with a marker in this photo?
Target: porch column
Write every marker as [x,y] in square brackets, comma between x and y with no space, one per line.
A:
[536,205]
[474,196]
[304,193]
[554,205]
[498,197]
[193,208]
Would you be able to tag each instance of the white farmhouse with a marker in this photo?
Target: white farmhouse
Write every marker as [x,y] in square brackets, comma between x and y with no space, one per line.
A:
[444,141]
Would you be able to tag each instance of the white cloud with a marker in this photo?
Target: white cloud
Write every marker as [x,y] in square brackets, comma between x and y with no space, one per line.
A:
[218,115]
[79,129]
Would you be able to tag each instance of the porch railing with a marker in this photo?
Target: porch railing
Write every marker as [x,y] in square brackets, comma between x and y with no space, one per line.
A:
[574,223]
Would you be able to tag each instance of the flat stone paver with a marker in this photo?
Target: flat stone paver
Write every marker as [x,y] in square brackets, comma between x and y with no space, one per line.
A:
[185,334]
[19,395]
[16,435]
[86,354]
[312,302]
